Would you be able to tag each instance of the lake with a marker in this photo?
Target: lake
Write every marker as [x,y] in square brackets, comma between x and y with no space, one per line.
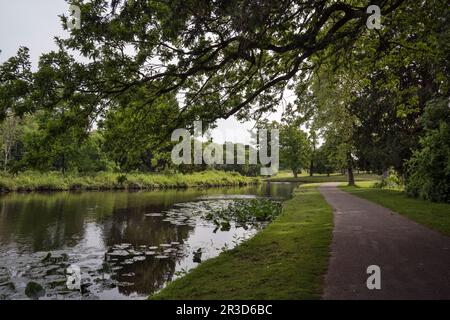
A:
[127,245]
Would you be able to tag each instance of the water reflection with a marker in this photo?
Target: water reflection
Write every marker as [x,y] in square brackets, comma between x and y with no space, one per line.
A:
[91,227]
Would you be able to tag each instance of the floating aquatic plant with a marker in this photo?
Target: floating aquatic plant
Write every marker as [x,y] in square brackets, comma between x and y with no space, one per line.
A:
[244,212]
[197,255]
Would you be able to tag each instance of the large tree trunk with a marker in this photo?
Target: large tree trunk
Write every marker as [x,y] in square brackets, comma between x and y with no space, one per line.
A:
[311,168]
[351,178]
[295,173]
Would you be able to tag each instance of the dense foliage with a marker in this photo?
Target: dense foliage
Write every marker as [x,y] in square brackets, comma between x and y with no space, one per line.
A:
[149,67]
[295,148]
[429,166]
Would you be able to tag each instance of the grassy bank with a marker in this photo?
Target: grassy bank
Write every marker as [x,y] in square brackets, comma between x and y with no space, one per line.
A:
[287,260]
[35,181]
[283,177]
[433,215]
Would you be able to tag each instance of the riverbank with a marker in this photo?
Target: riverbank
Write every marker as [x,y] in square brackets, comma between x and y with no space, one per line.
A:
[55,181]
[433,215]
[286,260]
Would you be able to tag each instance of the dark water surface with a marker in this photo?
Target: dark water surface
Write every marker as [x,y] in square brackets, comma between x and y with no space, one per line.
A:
[127,244]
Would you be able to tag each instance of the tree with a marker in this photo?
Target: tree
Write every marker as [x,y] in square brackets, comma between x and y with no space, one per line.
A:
[369,99]
[131,135]
[313,141]
[10,132]
[325,159]
[325,104]
[223,58]
[295,148]
[429,167]
[400,71]
[49,145]
[91,156]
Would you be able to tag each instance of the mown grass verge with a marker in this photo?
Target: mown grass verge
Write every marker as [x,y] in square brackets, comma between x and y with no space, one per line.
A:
[433,215]
[287,260]
[324,178]
[55,181]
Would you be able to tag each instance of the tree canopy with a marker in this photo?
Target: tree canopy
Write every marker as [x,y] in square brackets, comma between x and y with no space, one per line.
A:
[222,57]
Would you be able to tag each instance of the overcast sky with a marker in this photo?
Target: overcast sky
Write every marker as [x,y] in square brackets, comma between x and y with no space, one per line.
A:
[35,23]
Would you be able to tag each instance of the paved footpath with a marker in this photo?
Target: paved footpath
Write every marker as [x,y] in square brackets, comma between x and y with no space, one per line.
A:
[414,260]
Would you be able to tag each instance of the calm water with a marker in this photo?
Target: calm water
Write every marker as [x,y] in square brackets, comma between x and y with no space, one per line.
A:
[127,244]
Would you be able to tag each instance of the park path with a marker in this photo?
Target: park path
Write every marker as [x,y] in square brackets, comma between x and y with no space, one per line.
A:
[414,260]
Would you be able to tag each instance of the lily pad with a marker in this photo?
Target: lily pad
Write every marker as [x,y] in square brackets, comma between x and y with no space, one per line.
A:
[138,258]
[153,214]
[119,253]
[34,290]
[122,246]
[135,253]
[130,274]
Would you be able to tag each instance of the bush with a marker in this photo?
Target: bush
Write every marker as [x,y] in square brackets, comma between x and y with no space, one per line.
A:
[393,181]
[429,167]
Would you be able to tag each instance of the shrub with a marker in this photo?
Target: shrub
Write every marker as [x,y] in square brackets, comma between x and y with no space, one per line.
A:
[429,167]
[392,181]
